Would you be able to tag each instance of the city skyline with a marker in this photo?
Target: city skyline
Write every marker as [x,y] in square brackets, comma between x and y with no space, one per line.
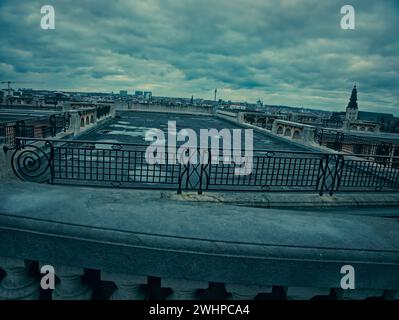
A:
[285,53]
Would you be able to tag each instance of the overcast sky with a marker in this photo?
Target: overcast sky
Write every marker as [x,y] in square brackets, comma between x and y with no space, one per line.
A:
[286,52]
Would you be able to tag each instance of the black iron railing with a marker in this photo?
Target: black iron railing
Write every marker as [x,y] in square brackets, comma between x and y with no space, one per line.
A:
[125,165]
[374,148]
[37,127]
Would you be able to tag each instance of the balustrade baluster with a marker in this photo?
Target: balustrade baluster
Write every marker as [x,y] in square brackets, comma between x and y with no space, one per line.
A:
[72,285]
[391,294]
[242,292]
[184,289]
[19,283]
[129,287]
[215,291]
[359,294]
[306,293]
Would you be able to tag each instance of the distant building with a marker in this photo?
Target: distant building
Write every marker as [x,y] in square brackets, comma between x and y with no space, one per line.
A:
[123,93]
[352,109]
[138,93]
[237,107]
[306,118]
[352,121]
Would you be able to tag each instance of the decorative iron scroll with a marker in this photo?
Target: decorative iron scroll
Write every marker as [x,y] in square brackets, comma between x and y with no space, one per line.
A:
[33,163]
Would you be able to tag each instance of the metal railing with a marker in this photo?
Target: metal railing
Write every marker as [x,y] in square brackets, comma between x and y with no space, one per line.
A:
[370,147]
[37,127]
[125,165]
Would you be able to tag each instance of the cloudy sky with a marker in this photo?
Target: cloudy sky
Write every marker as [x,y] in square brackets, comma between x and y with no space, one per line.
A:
[287,52]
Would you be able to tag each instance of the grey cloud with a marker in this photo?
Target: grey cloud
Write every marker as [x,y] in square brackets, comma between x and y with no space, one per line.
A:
[285,52]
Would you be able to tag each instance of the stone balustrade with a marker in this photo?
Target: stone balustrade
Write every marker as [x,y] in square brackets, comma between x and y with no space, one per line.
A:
[294,130]
[131,244]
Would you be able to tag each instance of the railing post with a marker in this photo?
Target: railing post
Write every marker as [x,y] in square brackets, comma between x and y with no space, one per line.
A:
[204,164]
[181,172]
[321,176]
[188,174]
[51,161]
[185,170]
[338,169]
[330,173]
[200,179]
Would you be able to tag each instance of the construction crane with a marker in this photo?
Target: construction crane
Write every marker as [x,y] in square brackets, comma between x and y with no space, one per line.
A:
[9,86]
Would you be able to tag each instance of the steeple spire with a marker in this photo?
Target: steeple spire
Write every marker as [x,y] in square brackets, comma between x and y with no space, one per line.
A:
[353,99]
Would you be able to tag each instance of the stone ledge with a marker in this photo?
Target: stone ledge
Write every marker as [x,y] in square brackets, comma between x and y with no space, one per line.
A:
[138,232]
[297,200]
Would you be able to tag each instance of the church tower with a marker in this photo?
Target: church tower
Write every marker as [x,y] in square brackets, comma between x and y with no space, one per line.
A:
[352,109]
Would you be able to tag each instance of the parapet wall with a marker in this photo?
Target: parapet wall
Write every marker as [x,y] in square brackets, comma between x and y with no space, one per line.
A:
[238,119]
[196,254]
[162,108]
